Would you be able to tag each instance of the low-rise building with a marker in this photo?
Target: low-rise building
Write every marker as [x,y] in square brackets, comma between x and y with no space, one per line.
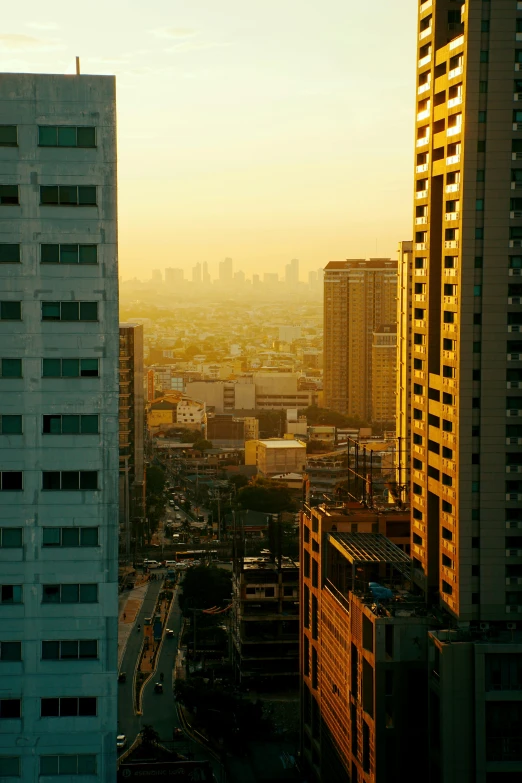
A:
[276,455]
[265,619]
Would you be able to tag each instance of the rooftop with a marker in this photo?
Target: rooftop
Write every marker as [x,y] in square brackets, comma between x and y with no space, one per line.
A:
[264,563]
[282,443]
[360,263]
[368,548]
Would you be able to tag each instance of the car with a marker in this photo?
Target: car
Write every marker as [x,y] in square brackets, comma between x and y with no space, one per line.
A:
[171,502]
[151,564]
[169,632]
[121,741]
[158,688]
[176,508]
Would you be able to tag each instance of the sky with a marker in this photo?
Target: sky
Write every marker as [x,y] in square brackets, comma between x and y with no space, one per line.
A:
[263,130]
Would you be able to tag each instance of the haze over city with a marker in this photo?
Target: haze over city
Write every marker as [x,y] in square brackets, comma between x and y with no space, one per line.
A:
[260,131]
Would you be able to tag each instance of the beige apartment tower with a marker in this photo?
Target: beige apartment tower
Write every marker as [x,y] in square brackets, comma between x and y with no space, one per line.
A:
[466,408]
[359,296]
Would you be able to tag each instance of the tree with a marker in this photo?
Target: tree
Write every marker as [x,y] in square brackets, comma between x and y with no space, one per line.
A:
[205,587]
[265,495]
[238,481]
[315,415]
[272,424]
[155,480]
[202,445]
[155,497]
[317,446]
[149,735]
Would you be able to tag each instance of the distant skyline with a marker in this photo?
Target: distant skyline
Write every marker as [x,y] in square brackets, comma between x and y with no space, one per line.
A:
[263,131]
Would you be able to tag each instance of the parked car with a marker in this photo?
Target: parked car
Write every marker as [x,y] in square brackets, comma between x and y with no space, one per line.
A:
[121,741]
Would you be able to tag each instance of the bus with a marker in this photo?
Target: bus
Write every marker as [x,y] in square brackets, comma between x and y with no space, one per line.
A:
[196,554]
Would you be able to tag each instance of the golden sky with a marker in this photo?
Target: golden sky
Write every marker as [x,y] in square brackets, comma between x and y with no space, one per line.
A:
[261,130]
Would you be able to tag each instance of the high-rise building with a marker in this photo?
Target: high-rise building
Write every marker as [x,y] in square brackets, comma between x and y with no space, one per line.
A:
[196,273]
[292,272]
[174,277]
[403,373]
[157,277]
[59,427]
[467,381]
[132,423]
[312,279]
[359,295]
[384,373]
[206,275]
[226,268]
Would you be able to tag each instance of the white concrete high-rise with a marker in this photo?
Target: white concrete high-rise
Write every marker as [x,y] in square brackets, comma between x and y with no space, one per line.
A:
[58,427]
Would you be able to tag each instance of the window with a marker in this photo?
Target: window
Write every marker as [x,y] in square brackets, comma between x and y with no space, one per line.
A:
[446,588]
[68,480]
[55,424]
[68,707]
[66,136]
[483,88]
[11,594]
[479,233]
[10,311]
[448,372]
[417,364]
[433,446]
[11,481]
[480,175]
[419,313]
[417,464]
[10,368]
[9,254]
[477,319]
[10,766]
[68,195]
[433,421]
[479,205]
[447,399]
[69,536]
[417,414]
[484,56]
[417,439]
[69,311]
[8,137]
[447,453]
[10,651]
[447,480]
[481,145]
[69,254]
[418,389]
[475,402]
[10,708]
[70,368]
[11,537]
[70,594]
[478,262]
[68,765]
[73,650]
[9,195]
[447,507]
[447,426]
[10,425]
[449,317]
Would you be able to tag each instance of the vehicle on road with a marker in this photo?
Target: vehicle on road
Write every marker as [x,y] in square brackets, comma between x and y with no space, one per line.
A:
[171,502]
[176,508]
[121,741]
[178,516]
[151,563]
[158,688]
[169,632]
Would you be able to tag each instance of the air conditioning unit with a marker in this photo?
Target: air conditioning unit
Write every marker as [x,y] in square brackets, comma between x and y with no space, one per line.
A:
[484,626]
[511,626]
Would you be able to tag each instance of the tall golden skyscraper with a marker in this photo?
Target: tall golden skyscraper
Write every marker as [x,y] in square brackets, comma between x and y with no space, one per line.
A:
[359,296]
[466,447]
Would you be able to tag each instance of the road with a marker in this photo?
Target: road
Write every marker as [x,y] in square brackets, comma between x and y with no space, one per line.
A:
[159,710]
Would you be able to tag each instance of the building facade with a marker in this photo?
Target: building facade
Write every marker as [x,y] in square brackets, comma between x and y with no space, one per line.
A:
[404,367]
[276,455]
[59,425]
[132,424]
[467,380]
[384,373]
[359,295]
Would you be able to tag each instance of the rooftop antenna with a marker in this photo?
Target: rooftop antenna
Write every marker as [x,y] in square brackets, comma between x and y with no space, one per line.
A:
[77,66]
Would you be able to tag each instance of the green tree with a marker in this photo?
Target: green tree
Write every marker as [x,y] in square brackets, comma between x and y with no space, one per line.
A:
[204,587]
[155,480]
[238,481]
[202,445]
[149,735]
[265,495]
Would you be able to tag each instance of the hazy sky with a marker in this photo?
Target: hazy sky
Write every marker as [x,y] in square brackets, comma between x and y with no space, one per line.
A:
[262,130]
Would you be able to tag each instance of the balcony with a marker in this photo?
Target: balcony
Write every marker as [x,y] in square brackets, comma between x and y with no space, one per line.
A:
[515,215]
[451,244]
[514,300]
[420,323]
[450,272]
[421,221]
[419,374]
[517,126]
[425,33]
[514,385]
[424,6]
[423,115]
[421,194]
[424,60]
[513,609]
[514,328]
[454,101]
[452,355]
[451,300]
[513,412]
[516,156]
[518,36]
[519,5]
[456,43]
[422,168]
[455,72]
[419,297]
[454,187]
[452,216]
[513,468]
[452,159]
[515,272]
[423,140]
[449,327]
[419,349]
[422,272]
[514,357]
[517,96]
[421,245]
[424,87]
[517,67]
[454,130]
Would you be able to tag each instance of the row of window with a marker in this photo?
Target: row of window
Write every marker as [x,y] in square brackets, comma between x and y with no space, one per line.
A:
[70,764]
[65,707]
[12,537]
[54,650]
[53,195]
[53,594]
[53,136]
[53,311]
[52,254]
[53,424]
[65,480]
[54,368]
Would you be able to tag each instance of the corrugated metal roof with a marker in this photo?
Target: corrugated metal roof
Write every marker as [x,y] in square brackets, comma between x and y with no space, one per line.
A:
[368,548]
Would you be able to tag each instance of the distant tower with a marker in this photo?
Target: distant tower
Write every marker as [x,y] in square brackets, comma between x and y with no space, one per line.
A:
[157,277]
[174,276]
[206,275]
[225,270]
[292,272]
[196,273]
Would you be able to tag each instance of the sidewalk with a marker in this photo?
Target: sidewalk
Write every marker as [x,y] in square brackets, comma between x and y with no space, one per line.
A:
[129,603]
